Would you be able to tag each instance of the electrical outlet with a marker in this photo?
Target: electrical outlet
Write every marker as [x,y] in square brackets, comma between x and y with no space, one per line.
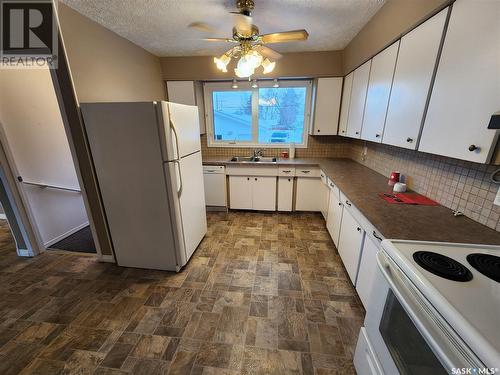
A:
[497,198]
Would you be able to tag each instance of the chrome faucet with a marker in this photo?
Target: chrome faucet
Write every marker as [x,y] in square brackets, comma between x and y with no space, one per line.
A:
[257,153]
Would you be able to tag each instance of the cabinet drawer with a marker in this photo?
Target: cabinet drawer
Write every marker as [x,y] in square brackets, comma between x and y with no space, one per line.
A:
[323,177]
[286,171]
[243,170]
[307,172]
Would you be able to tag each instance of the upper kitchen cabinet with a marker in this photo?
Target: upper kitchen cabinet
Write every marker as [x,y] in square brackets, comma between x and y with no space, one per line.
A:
[327,106]
[358,98]
[412,79]
[379,89]
[467,86]
[346,100]
[189,93]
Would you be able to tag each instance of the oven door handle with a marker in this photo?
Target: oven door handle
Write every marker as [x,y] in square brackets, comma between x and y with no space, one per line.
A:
[444,342]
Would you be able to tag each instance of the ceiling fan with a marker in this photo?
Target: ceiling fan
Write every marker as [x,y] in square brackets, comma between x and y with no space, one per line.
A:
[250,45]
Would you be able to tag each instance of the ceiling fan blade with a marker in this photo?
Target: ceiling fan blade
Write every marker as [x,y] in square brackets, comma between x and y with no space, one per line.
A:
[268,52]
[243,24]
[202,26]
[286,36]
[225,40]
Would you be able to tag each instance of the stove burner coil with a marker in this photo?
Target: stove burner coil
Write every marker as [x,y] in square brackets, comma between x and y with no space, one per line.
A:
[488,265]
[442,266]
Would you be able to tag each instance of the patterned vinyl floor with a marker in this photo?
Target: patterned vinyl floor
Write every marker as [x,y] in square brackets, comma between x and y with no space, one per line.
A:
[265,293]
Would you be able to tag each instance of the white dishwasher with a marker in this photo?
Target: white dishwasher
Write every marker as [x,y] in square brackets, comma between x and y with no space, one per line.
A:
[214,177]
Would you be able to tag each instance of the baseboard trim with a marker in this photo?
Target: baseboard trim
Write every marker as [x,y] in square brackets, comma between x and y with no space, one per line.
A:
[106,258]
[64,235]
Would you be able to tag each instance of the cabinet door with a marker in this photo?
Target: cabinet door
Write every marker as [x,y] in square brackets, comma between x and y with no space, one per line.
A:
[466,90]
[285,193]
[334,220]
[367,270]
[358,98]
[351,240]
[240,192]
[412,79]
[264,193]
[215,189]
[327,106]
[308,197]
[346,100]
[181,92]
[379,89]
[325,198]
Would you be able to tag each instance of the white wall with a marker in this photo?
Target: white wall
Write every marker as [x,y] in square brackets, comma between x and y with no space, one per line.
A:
[35,134]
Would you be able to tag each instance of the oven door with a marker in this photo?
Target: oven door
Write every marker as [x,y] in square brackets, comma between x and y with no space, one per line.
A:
[407,334]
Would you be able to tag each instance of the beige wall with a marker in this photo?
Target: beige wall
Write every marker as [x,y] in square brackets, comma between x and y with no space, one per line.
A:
[303,64]
[105,66]
[395,18]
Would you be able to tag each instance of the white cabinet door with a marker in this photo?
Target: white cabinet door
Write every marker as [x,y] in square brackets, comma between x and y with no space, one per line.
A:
[346,100]
[181,92]
[412,79]
[308,194]
[358,98]
[327,106]
[379,89]
[240,192]
[466,90]
[351,240]
[264,193]
[334,220]
[285,193]
[367,270]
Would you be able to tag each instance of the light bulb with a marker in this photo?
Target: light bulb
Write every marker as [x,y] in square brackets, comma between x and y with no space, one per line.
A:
[235,84]
[254,84]
[268,66]
[222,62]
[255,58]
[244,68]
[276,84]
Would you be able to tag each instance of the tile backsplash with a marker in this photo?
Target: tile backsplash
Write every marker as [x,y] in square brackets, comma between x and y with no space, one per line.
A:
[456,184]
[317,147]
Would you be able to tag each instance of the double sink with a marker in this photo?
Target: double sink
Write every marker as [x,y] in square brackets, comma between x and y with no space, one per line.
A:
[253,159]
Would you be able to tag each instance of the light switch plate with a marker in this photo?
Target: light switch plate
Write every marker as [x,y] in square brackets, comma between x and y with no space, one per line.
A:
[497,198]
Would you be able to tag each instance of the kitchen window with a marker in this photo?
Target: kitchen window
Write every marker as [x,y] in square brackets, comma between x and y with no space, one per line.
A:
[265,116]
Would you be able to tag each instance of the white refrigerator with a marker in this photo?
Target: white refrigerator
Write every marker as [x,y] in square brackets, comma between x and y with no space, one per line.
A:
[147,157]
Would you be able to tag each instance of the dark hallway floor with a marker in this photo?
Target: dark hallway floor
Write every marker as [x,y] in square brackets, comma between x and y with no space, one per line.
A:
[80,241]
[263,294]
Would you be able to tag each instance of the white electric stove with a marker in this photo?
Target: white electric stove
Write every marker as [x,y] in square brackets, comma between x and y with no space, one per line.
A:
[436,309]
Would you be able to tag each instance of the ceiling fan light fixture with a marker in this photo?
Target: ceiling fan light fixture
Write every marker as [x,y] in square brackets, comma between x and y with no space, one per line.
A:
[222,62]
[268,66]
[254,84]
[275,83]
[235,84]
[245,67]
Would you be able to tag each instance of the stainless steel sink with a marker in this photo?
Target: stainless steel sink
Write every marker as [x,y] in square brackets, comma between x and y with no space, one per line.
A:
[253,159]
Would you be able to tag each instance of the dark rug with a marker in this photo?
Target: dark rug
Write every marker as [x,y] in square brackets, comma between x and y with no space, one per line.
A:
[80,241]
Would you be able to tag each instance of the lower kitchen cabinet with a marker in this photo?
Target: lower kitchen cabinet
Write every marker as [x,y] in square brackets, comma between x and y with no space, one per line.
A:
[308,197]
[367,270]
[252,192]
[285,193]
[334,220]
[350,243]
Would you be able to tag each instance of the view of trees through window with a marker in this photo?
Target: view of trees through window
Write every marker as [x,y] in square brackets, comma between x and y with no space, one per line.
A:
[280,117]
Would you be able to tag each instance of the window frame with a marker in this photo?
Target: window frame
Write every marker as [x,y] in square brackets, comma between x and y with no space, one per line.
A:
[210,87]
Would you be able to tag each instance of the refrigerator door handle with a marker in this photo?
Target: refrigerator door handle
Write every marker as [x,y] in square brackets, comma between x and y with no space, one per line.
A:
[172,126]
[178,163]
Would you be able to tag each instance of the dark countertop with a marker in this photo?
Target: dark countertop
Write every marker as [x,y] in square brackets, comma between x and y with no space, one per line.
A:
[361,185]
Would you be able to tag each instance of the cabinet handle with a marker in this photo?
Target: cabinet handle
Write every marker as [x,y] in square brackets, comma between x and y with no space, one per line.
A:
[340,203]
[343,131]
[347,202]
[377,236]
[289,179]
[318,131]
[332,185]
[306,171]
[248,178]
[473,148]
[357,133]
[409,140]
[377,135]
[255,179]
[358,229]
[286,171]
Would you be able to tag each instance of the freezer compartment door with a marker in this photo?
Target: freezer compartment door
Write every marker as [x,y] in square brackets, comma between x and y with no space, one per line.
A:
[186,177]
[181,129]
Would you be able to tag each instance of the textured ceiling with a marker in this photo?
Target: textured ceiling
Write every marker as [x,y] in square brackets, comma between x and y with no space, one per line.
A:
[160,26]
